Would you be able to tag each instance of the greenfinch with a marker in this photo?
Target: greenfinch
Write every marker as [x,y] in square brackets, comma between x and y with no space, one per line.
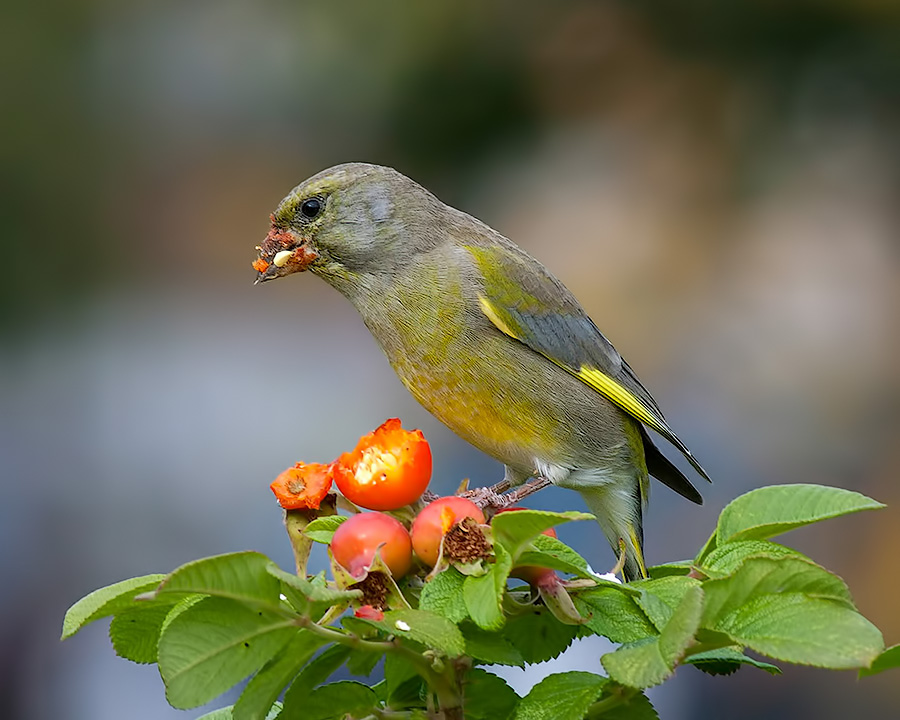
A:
[485,338]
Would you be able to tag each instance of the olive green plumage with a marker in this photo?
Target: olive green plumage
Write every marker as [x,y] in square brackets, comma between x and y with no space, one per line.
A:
[484,337]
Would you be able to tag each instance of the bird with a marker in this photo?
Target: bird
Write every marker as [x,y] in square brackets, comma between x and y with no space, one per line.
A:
[486,339]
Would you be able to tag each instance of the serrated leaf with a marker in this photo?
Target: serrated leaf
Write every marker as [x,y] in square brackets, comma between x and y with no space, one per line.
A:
[535,558]
[215,644]
[483,596]
[557,548]
[613,615]
[313,592]
[264,688]
[134,631]
[678,633]
[321,530]
[773,510]
[727,558]
[240,576]
[639,665]
[649,663]
[515,529]
[759,576]
[804,630]
[562,696]
[441,595]
[490,647]
[890,658]
[659,598]
[488,697]
[425,627]
[334,700]
[106,601]
[538,635]
[726,660]
[225,713]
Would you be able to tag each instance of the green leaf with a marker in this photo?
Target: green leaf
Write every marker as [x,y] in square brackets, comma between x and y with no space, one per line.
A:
[490,647]
[334,700]
[442,593]
[727,660]
[134,631]
[514,529]
[362,662]
[773,510]
[890,658]
[558,549]
[225,713]
[538,635]
[322,529]
[649,663]
[659,598]
[805,630]
[639,665]
[404,684]
[425,627]
[106,601]
[682,567]
[562,696]
[240,576]
[727,558]
[488,697]
[622,703]
[312,591]
[552,561]
[613,615]
[315,673]
[265,687]
[759,576]
[398,672]
[215,644]
[483,595]
[678,633]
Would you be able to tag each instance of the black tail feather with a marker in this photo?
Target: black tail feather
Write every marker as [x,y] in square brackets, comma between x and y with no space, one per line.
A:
[660,467]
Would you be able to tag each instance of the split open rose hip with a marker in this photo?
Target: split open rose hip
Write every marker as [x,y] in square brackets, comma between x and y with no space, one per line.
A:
[389,468]
[303,486]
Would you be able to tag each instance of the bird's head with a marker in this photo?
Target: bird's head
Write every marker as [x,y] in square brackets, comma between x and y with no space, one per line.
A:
[344,222]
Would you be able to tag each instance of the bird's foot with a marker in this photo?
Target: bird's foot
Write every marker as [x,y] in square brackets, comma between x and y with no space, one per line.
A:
[495,498]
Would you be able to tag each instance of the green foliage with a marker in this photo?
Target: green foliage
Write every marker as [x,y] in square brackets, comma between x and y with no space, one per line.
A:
[213,623]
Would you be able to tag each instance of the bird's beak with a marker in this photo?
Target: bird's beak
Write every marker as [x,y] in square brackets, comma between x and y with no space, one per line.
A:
[283,252]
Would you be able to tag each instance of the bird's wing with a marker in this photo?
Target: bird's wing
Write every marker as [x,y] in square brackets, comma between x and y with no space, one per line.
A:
[524,301]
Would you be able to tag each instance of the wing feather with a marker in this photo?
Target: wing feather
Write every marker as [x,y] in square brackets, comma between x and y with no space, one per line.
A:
[524,301]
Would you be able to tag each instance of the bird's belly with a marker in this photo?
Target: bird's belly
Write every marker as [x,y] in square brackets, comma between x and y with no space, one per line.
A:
[513,405]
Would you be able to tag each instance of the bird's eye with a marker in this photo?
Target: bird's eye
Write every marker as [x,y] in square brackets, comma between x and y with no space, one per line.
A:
[310,208]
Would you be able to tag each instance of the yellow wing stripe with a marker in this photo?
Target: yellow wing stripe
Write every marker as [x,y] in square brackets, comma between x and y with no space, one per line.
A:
[604,384]
[488,309]
[600,381]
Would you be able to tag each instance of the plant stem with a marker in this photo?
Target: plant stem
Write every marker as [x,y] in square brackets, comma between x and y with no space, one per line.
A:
[443,684]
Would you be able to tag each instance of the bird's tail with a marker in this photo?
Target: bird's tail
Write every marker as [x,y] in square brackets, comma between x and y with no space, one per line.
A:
[619,510]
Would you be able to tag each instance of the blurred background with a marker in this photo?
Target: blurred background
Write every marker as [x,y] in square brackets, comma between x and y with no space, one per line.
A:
[717,183]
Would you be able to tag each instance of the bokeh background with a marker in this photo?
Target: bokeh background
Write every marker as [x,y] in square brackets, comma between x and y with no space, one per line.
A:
[717,182]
